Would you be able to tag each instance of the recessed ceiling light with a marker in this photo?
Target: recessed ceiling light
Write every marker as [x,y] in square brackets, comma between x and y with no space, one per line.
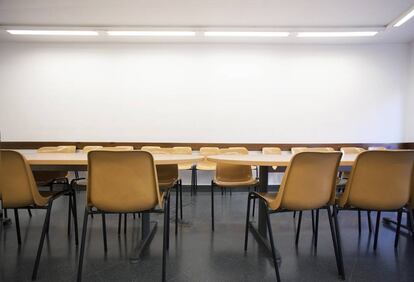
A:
[337,34]
[150,33]
[246,34]
[405,18]
[54,32]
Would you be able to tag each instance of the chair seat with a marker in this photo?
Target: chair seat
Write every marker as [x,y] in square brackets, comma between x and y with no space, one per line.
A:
[251,182]
[167,185]
[268,197]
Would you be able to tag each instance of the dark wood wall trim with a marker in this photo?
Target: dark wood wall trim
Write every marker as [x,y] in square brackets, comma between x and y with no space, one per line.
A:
[196,146]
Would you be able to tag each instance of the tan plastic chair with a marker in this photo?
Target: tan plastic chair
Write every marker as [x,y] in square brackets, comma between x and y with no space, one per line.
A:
[205,164]
[19,191]
[352,150]
[272,151]
[116,148]
[149,148]
[380,181]
[231,176]
[308,184]
[376,148]
[234,150]
[133,174]
[50,178]
[296,150]
[87,149]
[183,151]
[168,179]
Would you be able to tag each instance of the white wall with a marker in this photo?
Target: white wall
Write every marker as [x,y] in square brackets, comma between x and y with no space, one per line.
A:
[203,93]
[409,105]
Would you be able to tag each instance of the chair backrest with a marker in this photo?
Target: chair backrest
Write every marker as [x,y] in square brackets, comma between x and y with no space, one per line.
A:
[155,150]
[271,151]
[87,149]
[380,180]
[233,172]
[296,150]
[17,185]
[57,149]
[124,181]
[309,181]
[352,150]
[167,173]
[374,148]
[182,150]
[149,148]
[208,151]
[116,148]
[235,150]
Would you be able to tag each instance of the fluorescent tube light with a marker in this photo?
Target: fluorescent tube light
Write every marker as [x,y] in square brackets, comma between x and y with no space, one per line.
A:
[337,34]
[246,34]
[150,33]
[404,19]
[54,32]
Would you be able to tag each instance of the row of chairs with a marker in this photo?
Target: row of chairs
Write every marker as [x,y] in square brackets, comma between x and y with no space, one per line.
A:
[379,181]
[225,175]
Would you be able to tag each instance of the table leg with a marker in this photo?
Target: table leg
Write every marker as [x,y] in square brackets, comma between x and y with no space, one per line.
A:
[147,234]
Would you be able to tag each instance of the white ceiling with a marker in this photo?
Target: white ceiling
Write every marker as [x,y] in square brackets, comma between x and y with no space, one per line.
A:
[214,13]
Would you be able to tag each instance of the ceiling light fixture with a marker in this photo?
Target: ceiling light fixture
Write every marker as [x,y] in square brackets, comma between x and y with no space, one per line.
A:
[53,32]
[150,33]
[337,34]
[246,34]
[405,18]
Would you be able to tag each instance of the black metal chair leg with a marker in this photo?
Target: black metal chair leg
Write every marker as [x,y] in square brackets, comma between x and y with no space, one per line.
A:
[169,221]
[82,249]
[165,241]
[335,245]
[397,233]
[316,228]
[125,223]
[298,228]
[369,221]
[69,213]
[119,223]
[272,246]
[30,212]
[133,215]
[104,232]
[176,208]
[313,221]
[359,222]
[16,219]
[377,226]
[75,217]
[254,205]
[42,239]
[212,205]
[338,244]
[294,214]
[411,220]
[181,199]
[247,223]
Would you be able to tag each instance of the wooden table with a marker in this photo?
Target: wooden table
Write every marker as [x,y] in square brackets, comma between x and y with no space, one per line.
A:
[264,162]
[79,162]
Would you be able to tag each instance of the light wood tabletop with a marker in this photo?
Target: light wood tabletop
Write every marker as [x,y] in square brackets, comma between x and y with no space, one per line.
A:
[269,160]
[81,158]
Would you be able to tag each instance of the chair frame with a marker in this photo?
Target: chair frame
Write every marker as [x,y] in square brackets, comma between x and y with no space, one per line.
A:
[91,210]
[333,224]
